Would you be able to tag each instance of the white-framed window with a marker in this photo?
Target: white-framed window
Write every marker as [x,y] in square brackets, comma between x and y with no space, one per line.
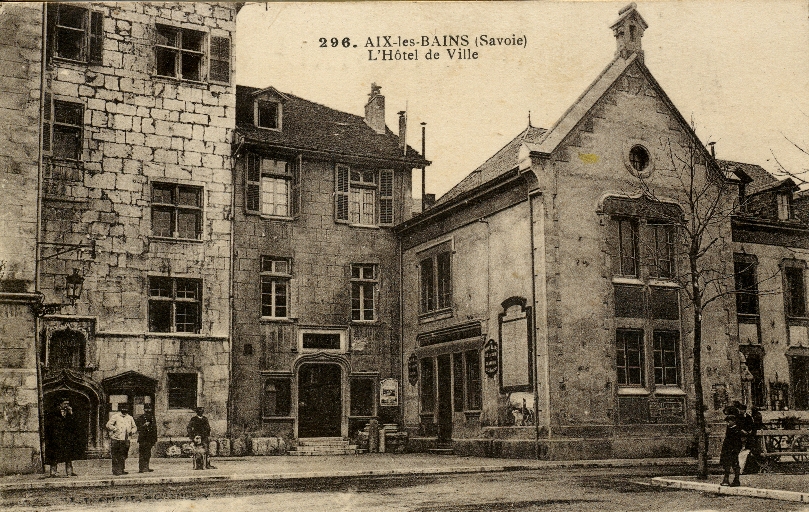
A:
[271,185]
[363,292]
[268,114]
[75,33]
[182,53]
[275,276]
[435,276]
[363,197]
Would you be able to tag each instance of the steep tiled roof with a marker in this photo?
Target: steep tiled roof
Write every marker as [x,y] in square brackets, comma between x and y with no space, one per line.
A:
[315,127]
[500,163]
[760,177]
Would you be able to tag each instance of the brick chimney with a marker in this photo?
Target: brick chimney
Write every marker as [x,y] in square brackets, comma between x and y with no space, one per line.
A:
[628,32]
[403,131]
[375,110]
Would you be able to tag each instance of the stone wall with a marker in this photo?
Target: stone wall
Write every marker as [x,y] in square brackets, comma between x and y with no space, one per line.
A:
[20,77]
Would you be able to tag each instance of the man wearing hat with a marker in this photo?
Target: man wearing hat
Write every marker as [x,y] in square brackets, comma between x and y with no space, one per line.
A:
[147,437]
[199,426]
[60,438]
[121,427]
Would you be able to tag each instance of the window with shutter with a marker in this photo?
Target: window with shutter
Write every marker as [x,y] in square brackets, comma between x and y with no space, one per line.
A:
[295,192]
[75,33]
[386,197]
[252,183]
[220,60]
[62,128]
[341,193]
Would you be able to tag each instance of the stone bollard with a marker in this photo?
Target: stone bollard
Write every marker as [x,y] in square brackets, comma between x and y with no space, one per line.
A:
[382,440]
[373,436]
[224,447]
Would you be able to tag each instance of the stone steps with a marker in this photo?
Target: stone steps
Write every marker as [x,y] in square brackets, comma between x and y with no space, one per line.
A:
[312,446]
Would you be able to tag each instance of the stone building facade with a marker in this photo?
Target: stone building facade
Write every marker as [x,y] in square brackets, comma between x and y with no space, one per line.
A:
[542,315]
[20,76]
[316,269]
[135,115]
[771,251]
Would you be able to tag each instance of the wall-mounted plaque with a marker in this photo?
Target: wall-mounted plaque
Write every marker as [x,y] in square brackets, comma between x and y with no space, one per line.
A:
[389,393]
[490,358]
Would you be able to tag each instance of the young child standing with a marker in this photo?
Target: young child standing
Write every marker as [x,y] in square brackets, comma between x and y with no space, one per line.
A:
[731,446]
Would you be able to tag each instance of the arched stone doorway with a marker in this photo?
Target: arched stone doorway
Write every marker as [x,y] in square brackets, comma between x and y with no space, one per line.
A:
[85,397]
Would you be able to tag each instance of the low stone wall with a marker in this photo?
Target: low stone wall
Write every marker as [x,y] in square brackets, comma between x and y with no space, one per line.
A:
[224,447]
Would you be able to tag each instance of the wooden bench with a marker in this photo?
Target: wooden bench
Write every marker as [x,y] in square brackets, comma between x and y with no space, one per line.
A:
[777,443]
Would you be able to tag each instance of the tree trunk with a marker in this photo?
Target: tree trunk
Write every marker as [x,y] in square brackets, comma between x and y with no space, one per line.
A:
[699,400]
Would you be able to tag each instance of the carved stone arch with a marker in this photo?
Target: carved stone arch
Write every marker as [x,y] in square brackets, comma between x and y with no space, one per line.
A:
[86,397]
[322,357]
[320,396]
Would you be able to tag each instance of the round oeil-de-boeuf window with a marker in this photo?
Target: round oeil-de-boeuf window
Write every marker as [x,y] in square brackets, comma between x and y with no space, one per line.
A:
[639,159]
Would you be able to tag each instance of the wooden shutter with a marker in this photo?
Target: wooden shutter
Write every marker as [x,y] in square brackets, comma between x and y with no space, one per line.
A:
[341,193]
[297,168]
[96,37]
[47,106]
[220,60]
[386,196]
[252,183]
[52,15]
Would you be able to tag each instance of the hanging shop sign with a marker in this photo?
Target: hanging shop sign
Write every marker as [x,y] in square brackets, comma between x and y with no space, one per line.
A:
[413,370]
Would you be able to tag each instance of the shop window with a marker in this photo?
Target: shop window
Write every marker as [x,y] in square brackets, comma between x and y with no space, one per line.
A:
[271,186]
[174,304]
[363,291]
[427,386]
[667,358]
[176,211]
[277,397]
[75,33]
[629,357]
[362,397]
[275,277]
[62,128]
[182,390]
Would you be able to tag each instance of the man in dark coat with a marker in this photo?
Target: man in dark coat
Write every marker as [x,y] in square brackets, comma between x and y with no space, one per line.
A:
[60,438]
[147,437]
[199,426]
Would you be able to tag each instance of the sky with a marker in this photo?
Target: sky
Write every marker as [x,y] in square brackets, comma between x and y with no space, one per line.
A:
[739,69]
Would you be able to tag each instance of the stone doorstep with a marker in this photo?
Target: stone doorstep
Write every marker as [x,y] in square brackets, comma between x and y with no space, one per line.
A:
[752,492]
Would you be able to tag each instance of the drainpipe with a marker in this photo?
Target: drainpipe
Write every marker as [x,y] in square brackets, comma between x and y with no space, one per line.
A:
[37,280]
[534,346]
[423,167]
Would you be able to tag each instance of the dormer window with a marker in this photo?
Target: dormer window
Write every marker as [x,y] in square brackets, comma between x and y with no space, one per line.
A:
[784,206]
[268,114]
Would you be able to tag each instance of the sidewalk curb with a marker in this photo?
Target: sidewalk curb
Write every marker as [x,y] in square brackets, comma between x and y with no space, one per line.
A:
[750,492]
[48,484]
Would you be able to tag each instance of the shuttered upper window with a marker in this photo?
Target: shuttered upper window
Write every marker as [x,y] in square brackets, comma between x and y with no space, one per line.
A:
[272,185]
[364,197]
[183,53]
[75,33]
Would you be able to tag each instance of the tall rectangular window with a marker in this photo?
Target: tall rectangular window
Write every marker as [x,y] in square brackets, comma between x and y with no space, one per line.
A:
[667,358]
[627,247]
[436,281]
[784,206]
[75,33]
[629,357]
[275,276]
[363,197]
[474,391]
[175,304]
[176,211]
[794,296]
[363,288]
[268,185]
[268,114]
[63,128]
[427,386]
[182,390]
[662,251]
[746,286]
[179,52]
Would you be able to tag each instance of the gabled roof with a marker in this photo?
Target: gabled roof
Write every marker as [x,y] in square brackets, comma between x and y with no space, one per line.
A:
[630,11]
[500,163]
[760,178]
[310,126]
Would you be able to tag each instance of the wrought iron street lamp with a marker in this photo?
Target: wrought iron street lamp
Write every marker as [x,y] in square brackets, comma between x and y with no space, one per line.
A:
[74,284]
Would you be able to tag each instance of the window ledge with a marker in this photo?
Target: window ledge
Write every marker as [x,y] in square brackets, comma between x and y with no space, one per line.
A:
[278,418]
[171,239]
[181,81]
[182,335]
[274,320]
[364,226]
[434,316]
[276,217]
[626,391]
[267,128]
[661,283]
[365,322]
[669,391]
[628,280]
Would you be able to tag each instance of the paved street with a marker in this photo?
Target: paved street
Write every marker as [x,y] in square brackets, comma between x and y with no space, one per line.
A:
[546,489]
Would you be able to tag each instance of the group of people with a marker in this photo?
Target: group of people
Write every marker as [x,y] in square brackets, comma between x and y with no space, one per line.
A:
[61,442]
[740,434]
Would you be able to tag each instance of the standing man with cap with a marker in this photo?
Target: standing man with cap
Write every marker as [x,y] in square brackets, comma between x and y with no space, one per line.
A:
[121,428]
[199,426]
[147,437]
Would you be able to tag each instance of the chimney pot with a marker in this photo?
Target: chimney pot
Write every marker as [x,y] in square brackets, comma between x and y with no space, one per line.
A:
[403,130]
[375,110]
